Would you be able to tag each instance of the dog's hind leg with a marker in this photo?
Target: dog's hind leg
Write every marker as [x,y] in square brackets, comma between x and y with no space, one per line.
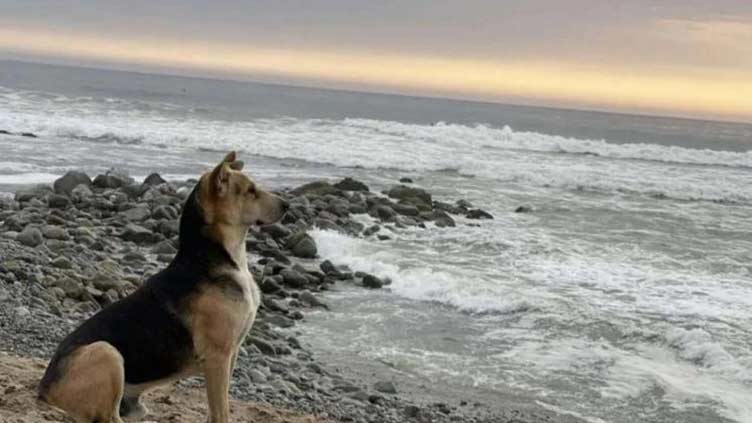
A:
[91,385]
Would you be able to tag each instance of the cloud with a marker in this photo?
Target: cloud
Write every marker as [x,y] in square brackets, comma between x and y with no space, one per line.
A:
[533,51]
[545,82]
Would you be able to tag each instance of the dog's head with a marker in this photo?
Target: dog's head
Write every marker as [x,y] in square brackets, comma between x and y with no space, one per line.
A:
[229,197]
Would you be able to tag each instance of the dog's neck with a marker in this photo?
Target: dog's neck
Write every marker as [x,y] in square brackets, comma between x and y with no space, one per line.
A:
[232,238]
[202,245]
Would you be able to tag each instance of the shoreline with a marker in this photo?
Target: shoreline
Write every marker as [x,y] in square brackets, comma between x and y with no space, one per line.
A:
[81,244]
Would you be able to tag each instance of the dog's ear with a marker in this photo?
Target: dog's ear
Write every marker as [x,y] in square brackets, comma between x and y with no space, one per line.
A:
[237,165]
[230,157]
[220,176]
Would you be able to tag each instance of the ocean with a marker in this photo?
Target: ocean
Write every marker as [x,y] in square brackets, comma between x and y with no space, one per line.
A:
[625,296]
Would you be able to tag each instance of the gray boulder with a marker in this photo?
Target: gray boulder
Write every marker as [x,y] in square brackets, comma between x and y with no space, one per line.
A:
[113,178]
[58,201]
[350,184]
[479,214]
[385,387]
[30,237]
[302,245]
[276,230]
[293,278]
[383,212]
[316,188]
[55,232]
[371,281]
[66,183]
[136,214]
[136,233]
[152,180]
[410,194]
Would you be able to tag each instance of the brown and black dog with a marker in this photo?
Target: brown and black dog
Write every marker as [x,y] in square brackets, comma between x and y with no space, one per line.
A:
[188,319]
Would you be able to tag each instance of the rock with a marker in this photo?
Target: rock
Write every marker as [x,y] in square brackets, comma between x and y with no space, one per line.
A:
[328,268]
[71,288]
[412,411]
[136,233]
[276,230]
[350,184]
[66,183]
[293,278]
[478,214]
[81,193]
[371,281]
[385,387]
[406,180]
[168,228]
[62,263]
[464,204]
[383,212]
[525,208]
[410,194]
[269,285]
[406,209]
[30,237]
[58,201]
[263,346]
[55,232]
[136,214]
[371,230]
[164,247]
[316,188]
[326,224]
[27,194]
[281,321]
[302,245]
[113,178]
[105,281]
[133,257]
[29,135]
[442,219]
[275,305]
[257,377]
[165,213]
[152,180]
[310,299]
[360,395]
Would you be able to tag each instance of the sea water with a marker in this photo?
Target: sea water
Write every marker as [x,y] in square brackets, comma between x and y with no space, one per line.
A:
[625,296]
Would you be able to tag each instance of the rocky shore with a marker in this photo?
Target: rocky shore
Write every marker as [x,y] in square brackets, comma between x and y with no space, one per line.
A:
[69,249]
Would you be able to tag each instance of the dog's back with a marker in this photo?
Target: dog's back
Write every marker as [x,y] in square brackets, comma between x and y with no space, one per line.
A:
[146,328]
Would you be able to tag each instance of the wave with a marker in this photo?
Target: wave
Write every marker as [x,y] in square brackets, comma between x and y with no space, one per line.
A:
[526,158]
[418,281]
[506,138]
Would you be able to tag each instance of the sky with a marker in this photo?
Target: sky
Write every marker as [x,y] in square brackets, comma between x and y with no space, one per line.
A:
[690,58]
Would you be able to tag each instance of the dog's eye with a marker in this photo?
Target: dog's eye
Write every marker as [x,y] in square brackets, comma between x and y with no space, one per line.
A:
[252,190]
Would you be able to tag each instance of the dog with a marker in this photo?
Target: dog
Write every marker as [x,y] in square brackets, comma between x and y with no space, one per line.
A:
[188,319]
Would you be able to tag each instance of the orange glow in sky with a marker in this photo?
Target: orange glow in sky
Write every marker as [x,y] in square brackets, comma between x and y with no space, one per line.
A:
[701,93]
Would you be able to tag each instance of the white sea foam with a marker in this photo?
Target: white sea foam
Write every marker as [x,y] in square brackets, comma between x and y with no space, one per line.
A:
[417,280]
[29,178]
[525,158]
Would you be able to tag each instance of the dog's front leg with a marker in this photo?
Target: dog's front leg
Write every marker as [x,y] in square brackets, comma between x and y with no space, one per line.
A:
[217,373]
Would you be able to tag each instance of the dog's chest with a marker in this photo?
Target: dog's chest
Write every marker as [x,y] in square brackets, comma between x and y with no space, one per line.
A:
[250,300]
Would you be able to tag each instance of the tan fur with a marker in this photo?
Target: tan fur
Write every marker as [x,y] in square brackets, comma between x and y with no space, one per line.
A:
[92,386]
[219,325]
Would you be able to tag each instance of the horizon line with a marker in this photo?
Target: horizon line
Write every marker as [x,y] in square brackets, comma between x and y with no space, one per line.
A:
[186,73]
